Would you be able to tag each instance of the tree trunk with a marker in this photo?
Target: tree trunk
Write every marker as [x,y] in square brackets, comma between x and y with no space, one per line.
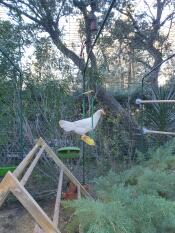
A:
[157,55]
[130,125]
[111,104]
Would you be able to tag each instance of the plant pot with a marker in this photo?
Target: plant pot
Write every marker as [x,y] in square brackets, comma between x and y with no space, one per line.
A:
[71,192]
[4,170]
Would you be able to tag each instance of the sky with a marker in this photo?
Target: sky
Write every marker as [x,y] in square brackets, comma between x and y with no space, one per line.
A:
[71,28]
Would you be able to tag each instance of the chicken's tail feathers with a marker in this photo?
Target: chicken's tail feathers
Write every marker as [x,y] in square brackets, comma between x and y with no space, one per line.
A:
[66,125]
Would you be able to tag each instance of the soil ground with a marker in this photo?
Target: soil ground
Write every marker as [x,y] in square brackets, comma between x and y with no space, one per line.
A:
[15,219]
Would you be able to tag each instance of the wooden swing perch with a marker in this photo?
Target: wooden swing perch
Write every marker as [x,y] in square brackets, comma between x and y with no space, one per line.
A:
[15,183]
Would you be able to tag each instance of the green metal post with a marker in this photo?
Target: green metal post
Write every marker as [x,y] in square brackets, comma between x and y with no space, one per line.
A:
[21,114]
[84,115]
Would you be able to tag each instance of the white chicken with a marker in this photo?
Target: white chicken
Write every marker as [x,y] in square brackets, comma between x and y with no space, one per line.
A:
[83,126]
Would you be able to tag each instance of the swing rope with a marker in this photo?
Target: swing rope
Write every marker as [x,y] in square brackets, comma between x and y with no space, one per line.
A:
[91,110]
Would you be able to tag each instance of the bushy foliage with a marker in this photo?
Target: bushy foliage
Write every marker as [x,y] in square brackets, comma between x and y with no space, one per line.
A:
[139,200]
[159,116]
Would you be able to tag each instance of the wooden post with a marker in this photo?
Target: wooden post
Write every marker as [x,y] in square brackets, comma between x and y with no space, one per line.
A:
[19,170]
[37,229]
[32,166]
[79,197]
[58,200]
[11,183]
[78,192]
[4,189]
[31,205]
[66,170]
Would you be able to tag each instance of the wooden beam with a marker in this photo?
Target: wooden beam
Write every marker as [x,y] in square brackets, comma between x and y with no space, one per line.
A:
[66,170]
[32,166]
[31,205]
[22,166]
[4,188]
[79,197]
[37,229]
[78,192]
[58,200]
[11,183]
[19,170]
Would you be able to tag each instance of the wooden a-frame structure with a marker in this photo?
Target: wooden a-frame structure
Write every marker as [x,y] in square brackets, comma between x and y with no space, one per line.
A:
[15,183]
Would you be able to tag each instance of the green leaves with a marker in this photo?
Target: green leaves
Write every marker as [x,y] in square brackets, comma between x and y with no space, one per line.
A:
[138,200]
[160,116]
[97,217]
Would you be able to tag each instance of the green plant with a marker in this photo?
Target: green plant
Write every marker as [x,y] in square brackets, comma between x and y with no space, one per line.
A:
[138,200]
[160,116]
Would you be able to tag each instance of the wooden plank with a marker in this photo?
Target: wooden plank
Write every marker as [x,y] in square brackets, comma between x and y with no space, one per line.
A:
[4,188]
[79,197]
[19,170]
[31,205]
[80,229]
[32,166]
[37,229]
[58,200]
[78,192]
[66,170]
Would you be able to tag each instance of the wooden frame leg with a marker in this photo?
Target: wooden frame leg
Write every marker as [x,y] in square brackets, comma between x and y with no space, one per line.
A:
[10,183]
[67,172]
[31,205]
[58,200]
[4,188]
[37,229]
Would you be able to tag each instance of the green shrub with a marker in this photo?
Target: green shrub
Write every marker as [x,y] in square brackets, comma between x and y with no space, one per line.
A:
[138,200]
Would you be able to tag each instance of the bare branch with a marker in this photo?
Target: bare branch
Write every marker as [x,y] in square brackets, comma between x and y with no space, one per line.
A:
[144,63]
[49,26]
[144,38]
[159,14]
[156,22]
[134,22]
[83,8]
[171,23]
[166,38]
[33,8]
[20,11]
[170,16]
[58,15]
[166,2]
[45,6]
[69,53]
[153,18]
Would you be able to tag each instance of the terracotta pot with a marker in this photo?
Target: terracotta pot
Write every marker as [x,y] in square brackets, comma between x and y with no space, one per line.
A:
[71,192]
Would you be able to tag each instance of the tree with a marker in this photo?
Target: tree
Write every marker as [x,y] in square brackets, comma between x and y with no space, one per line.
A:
[147,30]
[11,83]
[141,34]
[46,15]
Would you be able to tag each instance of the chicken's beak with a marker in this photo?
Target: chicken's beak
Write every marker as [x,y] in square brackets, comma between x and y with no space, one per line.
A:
[103,112]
